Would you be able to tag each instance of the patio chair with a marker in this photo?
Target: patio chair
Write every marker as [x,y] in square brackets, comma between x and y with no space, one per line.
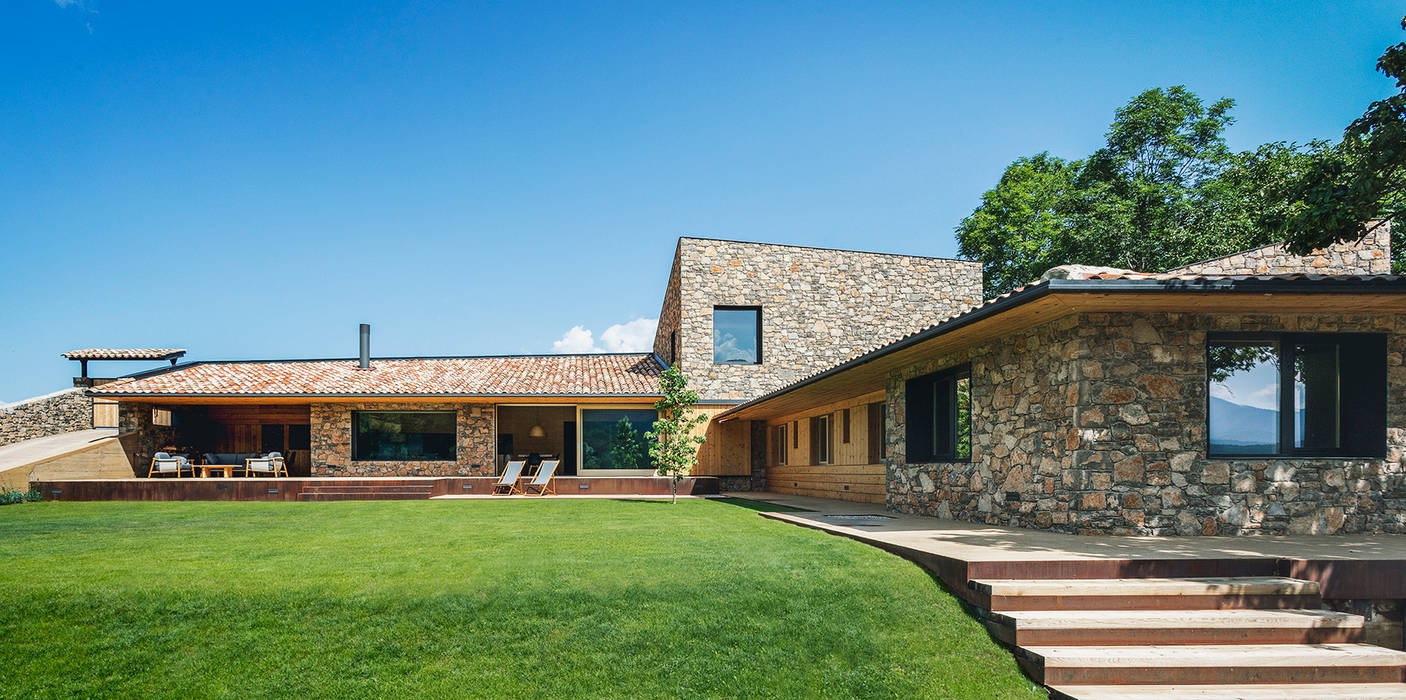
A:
[512,474]
[164,463]
[546,478]
[270,464]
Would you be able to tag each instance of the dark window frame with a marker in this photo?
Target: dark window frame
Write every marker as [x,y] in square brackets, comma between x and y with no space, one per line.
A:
[920,448]
[781,446]
[356,448]
[822,439]
[876,422]
[845,427]
[1373,381]
[734,307]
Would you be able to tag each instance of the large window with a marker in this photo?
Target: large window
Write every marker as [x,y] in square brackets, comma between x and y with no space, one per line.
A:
[1296,394]
[613,438]
[737,335]
[419,436]
[938,418]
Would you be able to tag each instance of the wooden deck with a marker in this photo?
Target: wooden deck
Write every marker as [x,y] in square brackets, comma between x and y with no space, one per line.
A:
[324,489]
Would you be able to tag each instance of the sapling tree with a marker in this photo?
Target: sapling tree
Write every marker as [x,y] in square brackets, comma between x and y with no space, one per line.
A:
[673,444]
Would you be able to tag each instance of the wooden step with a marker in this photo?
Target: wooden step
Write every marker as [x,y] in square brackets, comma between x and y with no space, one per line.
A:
[1164,627]
[1147,593]
[1212,664]
[368,489]
[1265,691]
[362,496]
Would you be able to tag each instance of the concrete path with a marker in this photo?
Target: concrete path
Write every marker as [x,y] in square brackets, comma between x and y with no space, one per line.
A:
[992,543]
[17,460]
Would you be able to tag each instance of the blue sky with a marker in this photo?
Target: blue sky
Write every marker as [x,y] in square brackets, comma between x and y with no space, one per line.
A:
[253,179]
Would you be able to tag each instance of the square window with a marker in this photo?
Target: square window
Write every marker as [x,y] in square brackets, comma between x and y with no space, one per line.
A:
[737,335]
[938,418]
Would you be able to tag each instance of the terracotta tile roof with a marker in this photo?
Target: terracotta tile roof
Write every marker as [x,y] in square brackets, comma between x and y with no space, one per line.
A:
[531,375]
[124,353]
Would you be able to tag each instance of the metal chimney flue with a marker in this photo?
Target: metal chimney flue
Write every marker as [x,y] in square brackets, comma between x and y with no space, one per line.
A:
[365,346]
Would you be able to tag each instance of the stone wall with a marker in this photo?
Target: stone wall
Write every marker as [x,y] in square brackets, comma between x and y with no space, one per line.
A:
[475,440]
[1096,423]
[819,307]
[669,318]
[1370,256]
[1023,390]
[142,436]
[60,412]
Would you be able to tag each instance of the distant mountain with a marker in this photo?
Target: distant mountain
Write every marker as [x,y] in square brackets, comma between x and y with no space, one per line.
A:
[1240,428]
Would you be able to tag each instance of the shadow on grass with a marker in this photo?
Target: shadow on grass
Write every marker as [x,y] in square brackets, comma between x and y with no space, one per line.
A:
[759,506]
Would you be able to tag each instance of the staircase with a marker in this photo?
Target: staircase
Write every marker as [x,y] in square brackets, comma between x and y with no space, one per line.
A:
[1262,637]
[366,492]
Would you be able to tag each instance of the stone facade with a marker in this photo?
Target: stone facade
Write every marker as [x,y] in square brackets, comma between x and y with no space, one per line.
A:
[61,412]
[142,437]
[819,307]
[475,440]
[1096,423]
[1370,256]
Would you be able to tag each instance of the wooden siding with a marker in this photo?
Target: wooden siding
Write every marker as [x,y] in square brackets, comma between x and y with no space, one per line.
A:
[861,483]
[727,447]
[104,459]
[851,475]
[104,413]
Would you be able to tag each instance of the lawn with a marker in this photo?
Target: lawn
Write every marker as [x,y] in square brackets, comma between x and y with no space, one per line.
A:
[452,598]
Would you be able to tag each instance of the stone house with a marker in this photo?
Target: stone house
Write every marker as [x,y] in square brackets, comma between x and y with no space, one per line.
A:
[1258,393]
[739,318]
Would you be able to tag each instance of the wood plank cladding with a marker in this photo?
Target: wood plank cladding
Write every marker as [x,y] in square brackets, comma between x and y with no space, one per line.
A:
[259,414]
[863,484]
[851,474]
[727,447]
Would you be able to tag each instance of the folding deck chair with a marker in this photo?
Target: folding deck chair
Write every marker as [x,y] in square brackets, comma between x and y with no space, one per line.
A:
[512,474]
[546,478]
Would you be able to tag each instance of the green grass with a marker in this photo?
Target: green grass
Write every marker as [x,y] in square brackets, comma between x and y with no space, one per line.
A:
[455,598]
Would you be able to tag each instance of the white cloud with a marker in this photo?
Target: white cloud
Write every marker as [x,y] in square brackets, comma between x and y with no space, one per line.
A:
[634,336]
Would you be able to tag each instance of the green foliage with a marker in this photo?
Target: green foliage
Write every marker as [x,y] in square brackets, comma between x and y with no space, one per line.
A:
[625,447]
[570,599]
[10,496]
[1164,191]
[673,445]
[1361,178]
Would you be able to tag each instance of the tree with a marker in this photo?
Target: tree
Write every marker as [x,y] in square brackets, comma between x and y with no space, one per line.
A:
[673,445]
[1360,180]
[625,447]
[1164,191]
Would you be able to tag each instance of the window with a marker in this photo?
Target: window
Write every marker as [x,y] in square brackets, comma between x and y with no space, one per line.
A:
[844,425]
[162,417]
[938,419]
[420,436]
[780,444]
[821,439]
[737,335]
[673,348]
[1296,394]
[876,429]
[614,438]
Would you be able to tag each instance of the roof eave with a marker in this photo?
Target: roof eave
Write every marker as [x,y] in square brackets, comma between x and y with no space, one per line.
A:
[1381,284]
